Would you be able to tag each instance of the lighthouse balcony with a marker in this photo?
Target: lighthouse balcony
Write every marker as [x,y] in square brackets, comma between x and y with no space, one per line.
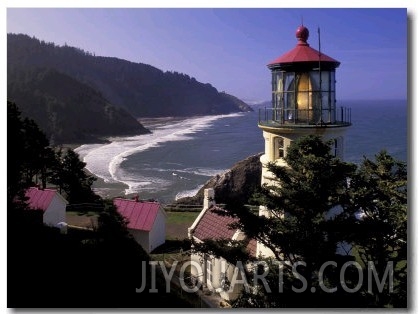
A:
[301,118]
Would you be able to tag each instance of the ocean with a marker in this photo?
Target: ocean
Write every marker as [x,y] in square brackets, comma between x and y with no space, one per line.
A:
[182,154]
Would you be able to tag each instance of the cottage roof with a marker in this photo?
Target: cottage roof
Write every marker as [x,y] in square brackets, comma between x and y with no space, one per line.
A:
[140,215]
[214,226]
[252,247]
[40,199]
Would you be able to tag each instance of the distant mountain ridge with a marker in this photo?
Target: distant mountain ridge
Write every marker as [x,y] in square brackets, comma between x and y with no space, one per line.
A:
[141,89]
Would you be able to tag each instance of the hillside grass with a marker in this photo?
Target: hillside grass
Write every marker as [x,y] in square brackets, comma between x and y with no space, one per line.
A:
[181,217]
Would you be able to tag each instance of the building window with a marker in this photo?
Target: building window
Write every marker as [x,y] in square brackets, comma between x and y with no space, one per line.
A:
[209,270]
[279,147]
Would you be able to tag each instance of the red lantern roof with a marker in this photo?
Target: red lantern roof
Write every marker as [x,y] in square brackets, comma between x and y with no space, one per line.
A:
[303,53]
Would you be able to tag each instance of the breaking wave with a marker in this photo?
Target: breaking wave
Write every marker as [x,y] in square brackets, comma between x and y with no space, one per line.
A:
[105,160]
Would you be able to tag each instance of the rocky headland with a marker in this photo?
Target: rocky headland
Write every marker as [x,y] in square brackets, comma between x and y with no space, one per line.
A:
[236,184]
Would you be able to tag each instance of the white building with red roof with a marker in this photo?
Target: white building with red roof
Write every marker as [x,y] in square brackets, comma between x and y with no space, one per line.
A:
[215,272]
[146,221]
[50,202]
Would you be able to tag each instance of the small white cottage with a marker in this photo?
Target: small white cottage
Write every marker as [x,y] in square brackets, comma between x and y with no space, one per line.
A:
[216,274]
[146,221]
[50,202]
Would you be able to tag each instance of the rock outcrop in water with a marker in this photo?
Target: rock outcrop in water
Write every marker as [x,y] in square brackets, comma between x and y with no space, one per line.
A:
[236,184]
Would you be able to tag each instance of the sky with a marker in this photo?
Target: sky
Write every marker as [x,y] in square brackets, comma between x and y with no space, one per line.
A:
[230,47]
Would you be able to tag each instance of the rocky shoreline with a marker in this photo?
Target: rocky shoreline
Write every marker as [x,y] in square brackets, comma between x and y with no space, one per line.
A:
[236,184]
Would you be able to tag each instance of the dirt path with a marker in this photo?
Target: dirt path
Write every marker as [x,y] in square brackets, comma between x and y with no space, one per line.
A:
[80,220]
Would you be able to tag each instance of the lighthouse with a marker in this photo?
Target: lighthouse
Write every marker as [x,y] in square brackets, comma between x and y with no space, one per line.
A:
[303,103]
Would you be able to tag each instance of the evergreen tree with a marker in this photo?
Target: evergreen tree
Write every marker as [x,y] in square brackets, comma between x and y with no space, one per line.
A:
[71,177]
[56,169]
[379,193]
[29,153]
[15,153]
[30,158]
[304,205]
[112,226]
[39,155]
[317,203]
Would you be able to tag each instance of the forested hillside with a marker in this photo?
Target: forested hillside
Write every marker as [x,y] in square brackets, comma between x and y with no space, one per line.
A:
[67,110]
[143,90]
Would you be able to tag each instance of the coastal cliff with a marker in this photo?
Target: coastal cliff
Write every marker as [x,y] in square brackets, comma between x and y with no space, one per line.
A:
[236,184]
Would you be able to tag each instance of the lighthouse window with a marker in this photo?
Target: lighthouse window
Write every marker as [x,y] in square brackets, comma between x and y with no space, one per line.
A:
[280,83]
[279,148]
[308,99]
[289,98]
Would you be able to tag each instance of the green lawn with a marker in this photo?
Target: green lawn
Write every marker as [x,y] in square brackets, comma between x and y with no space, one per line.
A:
[177,224]
[181,217]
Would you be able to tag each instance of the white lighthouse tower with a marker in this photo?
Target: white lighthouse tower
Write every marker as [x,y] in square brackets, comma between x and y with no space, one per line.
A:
[303,103]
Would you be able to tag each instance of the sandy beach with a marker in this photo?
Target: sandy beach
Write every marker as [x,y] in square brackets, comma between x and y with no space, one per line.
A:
[109,190]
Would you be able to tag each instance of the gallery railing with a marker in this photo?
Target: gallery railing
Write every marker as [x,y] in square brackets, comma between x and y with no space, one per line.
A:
[272,117]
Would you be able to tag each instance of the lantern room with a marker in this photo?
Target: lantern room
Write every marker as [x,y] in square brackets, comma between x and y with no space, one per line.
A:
[303,89]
